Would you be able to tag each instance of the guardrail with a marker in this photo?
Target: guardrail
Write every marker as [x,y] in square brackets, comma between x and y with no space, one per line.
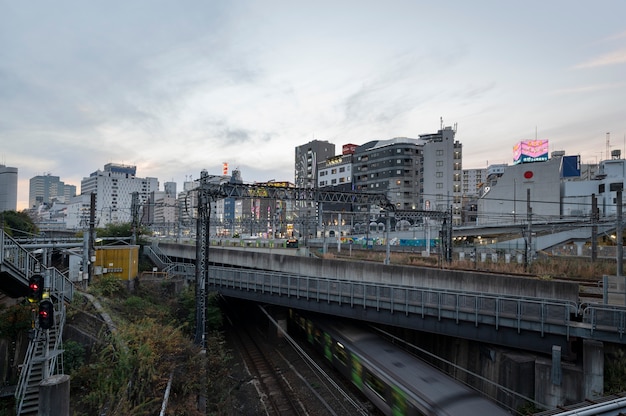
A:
[545,316]
[23,264]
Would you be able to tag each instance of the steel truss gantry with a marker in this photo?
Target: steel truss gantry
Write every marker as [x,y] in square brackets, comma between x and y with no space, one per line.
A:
[212,188]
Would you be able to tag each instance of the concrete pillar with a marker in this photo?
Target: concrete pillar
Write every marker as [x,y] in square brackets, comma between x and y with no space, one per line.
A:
[507,258]
[593,369]
[549,388]
[54,396]
[579,247]
[557,372]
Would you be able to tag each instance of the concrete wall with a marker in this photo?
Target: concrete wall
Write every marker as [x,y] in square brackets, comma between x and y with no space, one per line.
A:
[377,272]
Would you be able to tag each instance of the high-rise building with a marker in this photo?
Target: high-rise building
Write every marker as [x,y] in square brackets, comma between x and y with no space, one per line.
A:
[114,187]
[45,189]
[307,157]
[306,161]
[442,169]
[8,188]
[391,167]
[170,188]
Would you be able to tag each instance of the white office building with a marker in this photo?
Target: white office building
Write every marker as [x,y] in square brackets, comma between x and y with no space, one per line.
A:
[114,187]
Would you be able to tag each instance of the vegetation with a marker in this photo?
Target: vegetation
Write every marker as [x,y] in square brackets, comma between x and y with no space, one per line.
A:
[130,371]
[614,370]
[544,267]
[18,224]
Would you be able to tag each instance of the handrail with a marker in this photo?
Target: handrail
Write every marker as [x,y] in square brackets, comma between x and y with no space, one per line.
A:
[25,264]
[542,315]
[499,310]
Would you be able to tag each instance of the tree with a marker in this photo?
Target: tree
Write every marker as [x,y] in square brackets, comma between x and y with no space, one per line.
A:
[18,224]
[121,230]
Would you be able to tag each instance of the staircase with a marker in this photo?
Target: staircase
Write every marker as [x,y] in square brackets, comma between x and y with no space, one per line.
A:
[165,264]
[43,359]
[44,356]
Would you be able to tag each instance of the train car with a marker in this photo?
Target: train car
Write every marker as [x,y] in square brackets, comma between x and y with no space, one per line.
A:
[395,381]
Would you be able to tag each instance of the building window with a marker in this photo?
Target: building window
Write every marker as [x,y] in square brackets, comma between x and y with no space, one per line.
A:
[439,185]
[439,175]
[439,152]
[439,163]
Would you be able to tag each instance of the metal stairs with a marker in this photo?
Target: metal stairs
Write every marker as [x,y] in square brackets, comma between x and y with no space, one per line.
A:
[44,356]
[165,264]
[43,359]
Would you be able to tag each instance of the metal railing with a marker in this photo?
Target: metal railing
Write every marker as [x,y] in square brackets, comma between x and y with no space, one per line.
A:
[544,316]
[24,264]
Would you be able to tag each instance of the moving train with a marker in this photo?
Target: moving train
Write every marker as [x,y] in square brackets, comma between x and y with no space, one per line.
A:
[395,381]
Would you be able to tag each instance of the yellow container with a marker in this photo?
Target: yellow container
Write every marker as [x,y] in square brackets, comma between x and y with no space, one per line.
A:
[118,261]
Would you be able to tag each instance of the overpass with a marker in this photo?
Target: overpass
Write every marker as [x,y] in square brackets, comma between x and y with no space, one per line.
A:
[535,315]
[511,311]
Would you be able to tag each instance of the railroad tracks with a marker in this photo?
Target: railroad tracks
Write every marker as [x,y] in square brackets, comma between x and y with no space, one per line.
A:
[276,393]
[287,379]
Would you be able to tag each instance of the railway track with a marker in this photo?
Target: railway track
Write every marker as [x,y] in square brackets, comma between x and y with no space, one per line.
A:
[288,381]
[276,394]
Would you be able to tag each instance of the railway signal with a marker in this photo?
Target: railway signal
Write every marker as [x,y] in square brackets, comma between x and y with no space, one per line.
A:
[35,288]
[46,314]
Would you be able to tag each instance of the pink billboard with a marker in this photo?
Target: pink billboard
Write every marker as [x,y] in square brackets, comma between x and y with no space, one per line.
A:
[530,151]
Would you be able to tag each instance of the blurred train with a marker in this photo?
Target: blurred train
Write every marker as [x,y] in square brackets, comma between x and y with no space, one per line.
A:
[395,381]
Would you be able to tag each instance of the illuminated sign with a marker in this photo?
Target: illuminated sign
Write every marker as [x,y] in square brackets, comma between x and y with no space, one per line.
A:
[530,151]
[348,149]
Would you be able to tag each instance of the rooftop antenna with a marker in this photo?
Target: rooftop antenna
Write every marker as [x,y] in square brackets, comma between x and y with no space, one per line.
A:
[608,145]
[440,123]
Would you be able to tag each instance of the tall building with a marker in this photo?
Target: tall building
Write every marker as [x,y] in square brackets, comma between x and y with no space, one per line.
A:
[162,213]
[8,188]
[45,189]
[391,167]
[114,187]
[170,188]
[442,169]
[307,157]
[473,183]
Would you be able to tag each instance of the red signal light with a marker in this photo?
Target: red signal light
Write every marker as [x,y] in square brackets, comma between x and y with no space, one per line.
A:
[35,288]
[46,314]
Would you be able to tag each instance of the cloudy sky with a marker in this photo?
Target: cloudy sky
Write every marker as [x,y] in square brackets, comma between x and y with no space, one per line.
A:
[175,87]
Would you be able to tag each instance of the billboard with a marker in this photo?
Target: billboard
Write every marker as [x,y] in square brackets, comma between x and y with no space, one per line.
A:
[530,151]
[570,166]
[348,149]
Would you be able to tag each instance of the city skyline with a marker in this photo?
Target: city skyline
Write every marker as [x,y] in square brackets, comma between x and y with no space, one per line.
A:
[177,88]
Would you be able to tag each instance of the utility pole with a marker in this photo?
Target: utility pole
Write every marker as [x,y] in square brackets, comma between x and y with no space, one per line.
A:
[134,209]
[618,235]
[202,257]
[529,213]
[92,230]
[449,252]
[388,249]
[594,228]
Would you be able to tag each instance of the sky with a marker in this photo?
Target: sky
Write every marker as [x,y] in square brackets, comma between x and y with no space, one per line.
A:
[175,87]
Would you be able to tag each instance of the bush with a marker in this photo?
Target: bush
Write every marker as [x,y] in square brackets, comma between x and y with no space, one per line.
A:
[73,356]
